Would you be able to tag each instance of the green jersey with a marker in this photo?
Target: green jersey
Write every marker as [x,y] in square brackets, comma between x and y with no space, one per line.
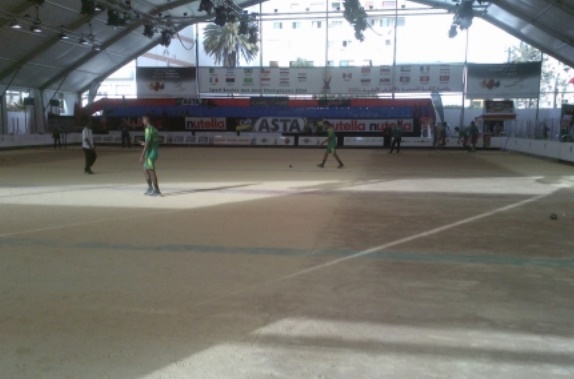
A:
[152,138]
[397,132]
[331,139]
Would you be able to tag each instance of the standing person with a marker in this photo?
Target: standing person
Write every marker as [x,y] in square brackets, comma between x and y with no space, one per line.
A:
[331,142]
[88,147]
[434,135]
[126,140]
[397,137]
[442,134]
[462,136]
[56,136]
[149,156]
[473,132]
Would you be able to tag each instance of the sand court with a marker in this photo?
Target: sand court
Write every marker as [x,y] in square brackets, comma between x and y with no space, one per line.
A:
[422,264]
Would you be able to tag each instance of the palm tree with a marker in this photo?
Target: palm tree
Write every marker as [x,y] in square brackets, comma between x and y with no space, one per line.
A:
[225,44]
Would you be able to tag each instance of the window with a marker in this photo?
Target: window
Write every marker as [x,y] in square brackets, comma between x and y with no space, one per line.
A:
[387,21]
[335,6]
[317,24]
[331,63]
[336,23]
[345,63]
[400,21]
[388,42]
[296,25]
[367,62]
[277,25]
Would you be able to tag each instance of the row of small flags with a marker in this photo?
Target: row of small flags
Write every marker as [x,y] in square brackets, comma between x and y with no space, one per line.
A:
[284,75]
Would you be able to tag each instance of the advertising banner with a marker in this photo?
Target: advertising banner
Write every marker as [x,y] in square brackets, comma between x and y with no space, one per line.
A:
[297,125]
[311,141]
[205,123]
[510,80]
[363,141]
[166,82]
[370,126]
[332,80]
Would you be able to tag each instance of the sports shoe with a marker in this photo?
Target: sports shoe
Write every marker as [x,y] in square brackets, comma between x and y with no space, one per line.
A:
[321,165]
[341,166]
[155,193]
[89,172]
[149,191]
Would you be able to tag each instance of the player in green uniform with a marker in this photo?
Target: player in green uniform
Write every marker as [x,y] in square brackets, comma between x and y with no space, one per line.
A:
[149,156]
[331,142]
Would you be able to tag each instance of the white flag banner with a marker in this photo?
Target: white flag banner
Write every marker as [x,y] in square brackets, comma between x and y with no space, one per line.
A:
[332,80]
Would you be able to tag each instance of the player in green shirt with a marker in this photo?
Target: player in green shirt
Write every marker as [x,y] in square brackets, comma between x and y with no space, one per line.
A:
[331,142]
[149,156]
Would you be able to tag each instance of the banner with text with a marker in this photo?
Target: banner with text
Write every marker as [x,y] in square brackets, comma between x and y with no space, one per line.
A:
[508,80]
[298,125]
[166,82]
[332,80]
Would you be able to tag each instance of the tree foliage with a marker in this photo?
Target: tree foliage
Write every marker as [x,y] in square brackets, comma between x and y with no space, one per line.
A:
[226,45]
[554,76]
[355,14]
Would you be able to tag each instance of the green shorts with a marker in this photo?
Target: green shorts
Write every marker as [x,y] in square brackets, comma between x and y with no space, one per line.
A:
[149,162]
[330,149]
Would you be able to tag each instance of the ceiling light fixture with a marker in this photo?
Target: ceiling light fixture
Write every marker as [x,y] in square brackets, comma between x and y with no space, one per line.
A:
[15,25]
[35,27]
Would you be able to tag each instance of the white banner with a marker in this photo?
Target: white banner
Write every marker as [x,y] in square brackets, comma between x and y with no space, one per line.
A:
[232,139]
[166,82]
[311,141]
[363,141]
[511,80]
[274,140]
[332,80]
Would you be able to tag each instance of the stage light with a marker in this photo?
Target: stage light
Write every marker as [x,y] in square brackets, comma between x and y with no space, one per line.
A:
[15,25]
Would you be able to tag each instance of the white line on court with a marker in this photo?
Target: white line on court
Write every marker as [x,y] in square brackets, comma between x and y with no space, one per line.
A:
[380,247]
[89,222]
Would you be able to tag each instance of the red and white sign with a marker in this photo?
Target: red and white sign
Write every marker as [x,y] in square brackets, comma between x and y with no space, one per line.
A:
[370,126]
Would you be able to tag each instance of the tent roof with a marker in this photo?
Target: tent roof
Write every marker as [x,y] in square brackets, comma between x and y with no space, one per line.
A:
[544,24]
[44,61]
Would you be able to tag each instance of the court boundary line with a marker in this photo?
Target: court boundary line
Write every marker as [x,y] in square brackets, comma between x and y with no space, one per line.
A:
[379,248]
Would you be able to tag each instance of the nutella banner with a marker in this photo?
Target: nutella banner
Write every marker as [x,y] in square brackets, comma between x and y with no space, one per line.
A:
[332,80]
[507,80]
[298,125]
[371,126]
[205,123]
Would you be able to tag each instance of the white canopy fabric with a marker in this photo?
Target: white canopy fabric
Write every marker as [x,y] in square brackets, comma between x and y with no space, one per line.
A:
[45,61]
